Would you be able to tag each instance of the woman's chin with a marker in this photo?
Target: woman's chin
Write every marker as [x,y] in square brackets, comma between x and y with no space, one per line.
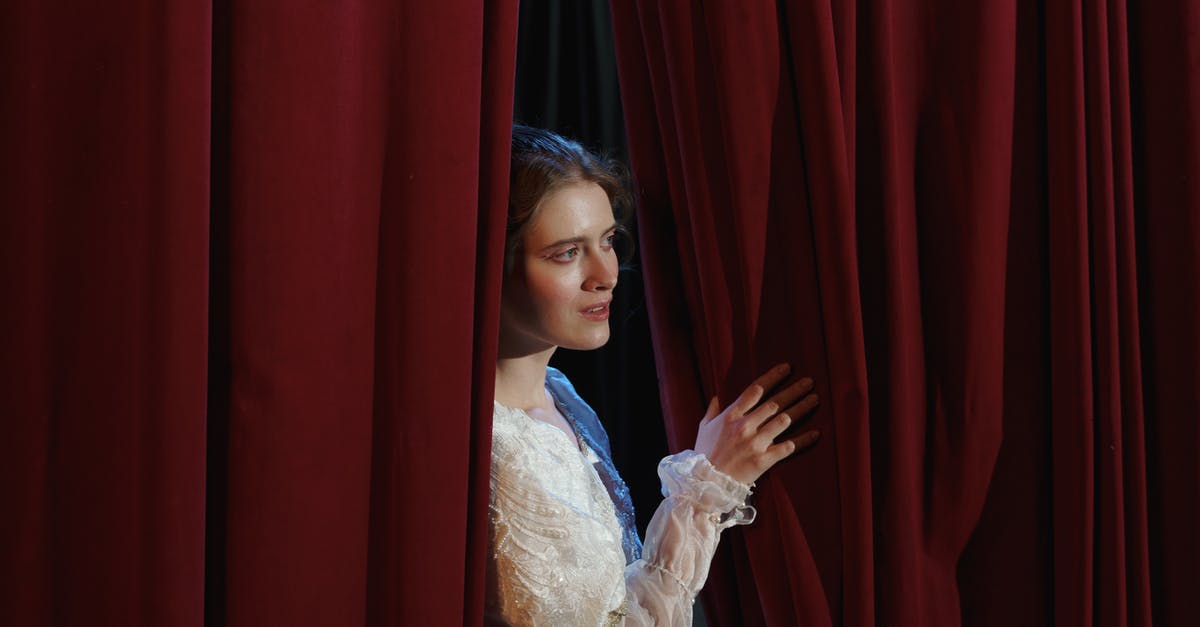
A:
[588,342]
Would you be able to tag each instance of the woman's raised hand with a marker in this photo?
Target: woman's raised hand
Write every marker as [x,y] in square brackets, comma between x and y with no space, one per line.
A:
[740,441]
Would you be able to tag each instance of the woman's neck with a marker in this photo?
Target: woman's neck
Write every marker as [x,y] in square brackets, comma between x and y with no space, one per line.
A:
[521,381]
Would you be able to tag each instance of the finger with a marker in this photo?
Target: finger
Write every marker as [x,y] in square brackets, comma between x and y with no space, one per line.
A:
[714,407]
[793,392]
[774,427]
[754,392]
[787,447]
[786,398]
[806,440]
[804,407]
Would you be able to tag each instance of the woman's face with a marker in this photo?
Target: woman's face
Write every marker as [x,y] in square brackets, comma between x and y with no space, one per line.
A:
[560,287]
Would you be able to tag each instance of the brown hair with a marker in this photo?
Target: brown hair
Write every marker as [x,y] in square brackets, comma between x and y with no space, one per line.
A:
[541,163]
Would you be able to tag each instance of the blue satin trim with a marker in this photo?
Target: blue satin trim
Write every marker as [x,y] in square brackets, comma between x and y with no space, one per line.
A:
[589,430]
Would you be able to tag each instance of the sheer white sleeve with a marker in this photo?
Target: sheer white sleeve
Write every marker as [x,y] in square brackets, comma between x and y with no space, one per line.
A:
[700,502]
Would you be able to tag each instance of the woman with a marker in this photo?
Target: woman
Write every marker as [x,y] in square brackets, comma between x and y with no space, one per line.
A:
[564,548]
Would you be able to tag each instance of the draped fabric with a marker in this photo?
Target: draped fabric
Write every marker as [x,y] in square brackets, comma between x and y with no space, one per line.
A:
[250,309]
[975,225]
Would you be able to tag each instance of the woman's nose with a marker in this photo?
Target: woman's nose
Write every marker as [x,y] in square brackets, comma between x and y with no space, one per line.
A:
[601,273]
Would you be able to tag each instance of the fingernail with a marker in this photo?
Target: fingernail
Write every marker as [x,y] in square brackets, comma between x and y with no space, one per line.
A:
[784,367]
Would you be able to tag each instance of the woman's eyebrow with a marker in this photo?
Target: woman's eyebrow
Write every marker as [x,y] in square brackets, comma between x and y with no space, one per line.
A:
[578,238]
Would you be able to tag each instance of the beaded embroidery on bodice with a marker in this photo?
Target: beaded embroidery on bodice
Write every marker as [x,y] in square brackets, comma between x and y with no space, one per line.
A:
[570,543]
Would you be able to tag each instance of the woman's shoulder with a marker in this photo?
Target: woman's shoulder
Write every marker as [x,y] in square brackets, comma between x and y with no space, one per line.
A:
[509,431]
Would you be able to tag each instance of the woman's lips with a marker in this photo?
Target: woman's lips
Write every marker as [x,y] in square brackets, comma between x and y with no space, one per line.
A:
[597,313]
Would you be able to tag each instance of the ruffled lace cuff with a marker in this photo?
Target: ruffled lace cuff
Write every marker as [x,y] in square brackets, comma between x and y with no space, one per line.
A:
[691,476]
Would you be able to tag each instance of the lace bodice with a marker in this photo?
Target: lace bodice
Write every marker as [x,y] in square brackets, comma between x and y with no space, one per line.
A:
[556,551]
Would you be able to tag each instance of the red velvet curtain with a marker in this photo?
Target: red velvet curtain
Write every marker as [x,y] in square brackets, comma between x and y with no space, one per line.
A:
[250,309]
[975,225]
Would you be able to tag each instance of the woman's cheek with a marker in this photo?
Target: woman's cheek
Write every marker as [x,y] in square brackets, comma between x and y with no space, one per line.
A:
[555,287]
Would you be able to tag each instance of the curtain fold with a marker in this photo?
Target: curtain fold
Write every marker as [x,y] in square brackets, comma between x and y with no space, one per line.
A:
[953,217]
[103,324]
[1166,145]
[306,113]
[252,256]
[363,307]
[438,281]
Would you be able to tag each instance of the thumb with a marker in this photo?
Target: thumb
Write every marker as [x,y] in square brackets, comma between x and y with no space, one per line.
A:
[714,408]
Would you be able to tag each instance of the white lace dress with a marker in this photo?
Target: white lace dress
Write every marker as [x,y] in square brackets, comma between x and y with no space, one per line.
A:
[556,554]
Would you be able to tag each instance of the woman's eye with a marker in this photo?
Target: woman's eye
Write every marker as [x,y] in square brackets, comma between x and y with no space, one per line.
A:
[567,254]
[609,240]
